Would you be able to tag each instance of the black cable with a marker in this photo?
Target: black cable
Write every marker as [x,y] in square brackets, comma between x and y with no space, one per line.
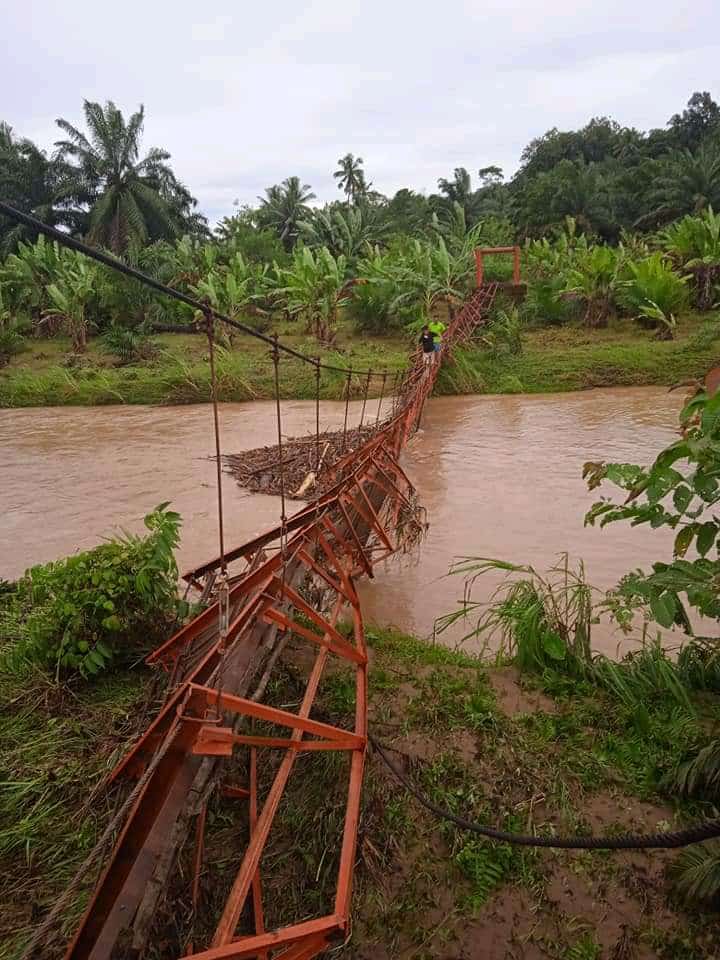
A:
[67,241]
[664,841]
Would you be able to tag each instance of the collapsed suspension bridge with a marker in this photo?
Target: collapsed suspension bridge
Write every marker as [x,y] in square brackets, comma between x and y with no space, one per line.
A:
[217,659]
[295,581]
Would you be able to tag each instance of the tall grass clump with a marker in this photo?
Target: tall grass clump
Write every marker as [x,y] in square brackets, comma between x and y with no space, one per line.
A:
[540,620]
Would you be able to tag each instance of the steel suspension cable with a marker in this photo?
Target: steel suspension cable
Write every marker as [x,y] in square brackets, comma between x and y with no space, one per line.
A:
[382,394]
[665,841]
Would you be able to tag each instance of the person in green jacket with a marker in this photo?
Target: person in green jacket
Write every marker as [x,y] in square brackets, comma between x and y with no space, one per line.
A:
[437,329]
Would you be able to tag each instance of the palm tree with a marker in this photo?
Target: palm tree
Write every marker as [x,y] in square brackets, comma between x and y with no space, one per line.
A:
[686,182]
[581,192]
[351,178]
[35,185]
[284,206]
[459,189]
[128,205]
[349,232]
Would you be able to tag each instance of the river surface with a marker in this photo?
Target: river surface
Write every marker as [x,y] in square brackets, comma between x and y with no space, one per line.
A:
[499,476]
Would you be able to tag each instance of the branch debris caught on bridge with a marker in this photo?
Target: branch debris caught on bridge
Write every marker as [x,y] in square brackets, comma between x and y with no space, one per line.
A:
[259,470]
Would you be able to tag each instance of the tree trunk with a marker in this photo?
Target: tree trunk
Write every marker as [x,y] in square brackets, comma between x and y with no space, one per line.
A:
[704,279]
[596,314]
[79,333]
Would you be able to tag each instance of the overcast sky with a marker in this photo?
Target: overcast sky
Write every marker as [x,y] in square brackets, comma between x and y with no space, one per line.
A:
[244,94]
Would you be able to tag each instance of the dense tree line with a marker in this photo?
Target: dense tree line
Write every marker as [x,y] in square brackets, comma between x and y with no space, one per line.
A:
[609,178]
[612,221]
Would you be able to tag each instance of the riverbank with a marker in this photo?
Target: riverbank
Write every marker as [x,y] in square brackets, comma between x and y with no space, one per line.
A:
[527,754]
[559,359]
[552,360]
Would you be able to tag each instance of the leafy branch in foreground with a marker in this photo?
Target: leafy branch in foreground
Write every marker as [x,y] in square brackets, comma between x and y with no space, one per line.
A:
[680,491]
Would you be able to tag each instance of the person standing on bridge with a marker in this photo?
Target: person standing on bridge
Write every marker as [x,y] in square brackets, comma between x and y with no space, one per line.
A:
[437,329]
[427,342]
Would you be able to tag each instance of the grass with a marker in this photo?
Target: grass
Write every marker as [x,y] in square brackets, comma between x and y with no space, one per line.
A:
[56,744]
[40,375]
[558,359]
[552,360]
[545,768]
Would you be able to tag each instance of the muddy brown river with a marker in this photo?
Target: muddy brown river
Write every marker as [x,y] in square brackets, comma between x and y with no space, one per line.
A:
[499,476]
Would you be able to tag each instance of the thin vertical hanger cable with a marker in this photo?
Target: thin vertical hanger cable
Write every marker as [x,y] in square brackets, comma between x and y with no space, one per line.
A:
[281,464]
[223,587]
[216,424]
[348,387]
[382,394]
[317,420]
[365,396]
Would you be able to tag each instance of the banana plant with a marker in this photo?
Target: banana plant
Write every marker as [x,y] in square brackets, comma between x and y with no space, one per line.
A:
[315,286]
[191,259]
[70,296]
[694,243]
[652,281]
[426,276]
[233,289]
[595,280]
[665,322]
[461,239]
[26,274]
[350,232]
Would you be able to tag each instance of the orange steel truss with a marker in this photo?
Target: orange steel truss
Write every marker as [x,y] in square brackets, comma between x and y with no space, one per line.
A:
[330,542]
[481,252]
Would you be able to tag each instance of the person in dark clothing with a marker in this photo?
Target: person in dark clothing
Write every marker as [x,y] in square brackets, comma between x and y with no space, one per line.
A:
[427,341]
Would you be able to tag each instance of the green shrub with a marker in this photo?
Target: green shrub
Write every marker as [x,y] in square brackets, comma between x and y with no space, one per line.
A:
[82,613]
[369,307]
[504,334]
[545,302]
[652,282]
[697,873]
[510,384]
[373,308]
[129,346]
[11,343]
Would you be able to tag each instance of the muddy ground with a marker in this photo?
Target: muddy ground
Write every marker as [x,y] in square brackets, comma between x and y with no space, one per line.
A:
[483,741]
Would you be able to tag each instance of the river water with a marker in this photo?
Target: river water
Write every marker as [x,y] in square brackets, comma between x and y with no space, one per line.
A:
[499,476]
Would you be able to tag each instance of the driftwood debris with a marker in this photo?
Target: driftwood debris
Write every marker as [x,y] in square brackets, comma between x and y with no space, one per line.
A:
[306,463]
